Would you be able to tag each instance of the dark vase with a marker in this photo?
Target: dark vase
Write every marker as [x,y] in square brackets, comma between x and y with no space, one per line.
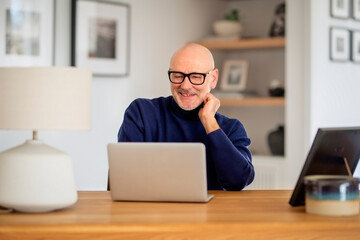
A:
[276,141]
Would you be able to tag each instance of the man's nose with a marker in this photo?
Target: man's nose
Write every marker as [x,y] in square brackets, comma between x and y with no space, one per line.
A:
[186,84]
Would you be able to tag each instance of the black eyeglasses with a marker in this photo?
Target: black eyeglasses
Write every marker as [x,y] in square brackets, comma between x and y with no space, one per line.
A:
[194,77]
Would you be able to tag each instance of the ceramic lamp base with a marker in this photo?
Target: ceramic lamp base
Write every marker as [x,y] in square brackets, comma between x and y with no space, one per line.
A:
[35,177]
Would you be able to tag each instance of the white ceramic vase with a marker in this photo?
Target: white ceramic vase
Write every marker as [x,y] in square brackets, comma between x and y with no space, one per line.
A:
[226,28]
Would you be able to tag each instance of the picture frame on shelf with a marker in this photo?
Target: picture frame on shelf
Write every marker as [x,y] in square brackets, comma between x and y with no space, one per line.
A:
[100,37]
[27,33]
[234,76]
[339,44]
[355,46]
[340,9]
[356,10]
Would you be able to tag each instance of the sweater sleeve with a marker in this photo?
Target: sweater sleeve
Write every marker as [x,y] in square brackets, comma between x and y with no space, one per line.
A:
[132,128]
[231,158]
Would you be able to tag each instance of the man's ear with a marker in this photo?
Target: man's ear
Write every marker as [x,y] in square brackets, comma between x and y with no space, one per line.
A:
[214,78]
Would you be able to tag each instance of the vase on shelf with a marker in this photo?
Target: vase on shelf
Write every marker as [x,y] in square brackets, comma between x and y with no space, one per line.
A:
[276,141]
[228,29]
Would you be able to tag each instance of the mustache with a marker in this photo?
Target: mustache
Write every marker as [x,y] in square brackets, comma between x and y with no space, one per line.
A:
[183,91]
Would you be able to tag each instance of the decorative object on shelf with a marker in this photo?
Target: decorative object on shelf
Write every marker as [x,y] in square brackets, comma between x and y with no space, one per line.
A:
[26,33]
[276,141]
[276,90]
[339,44]
[277,28]
[355,49]
[356,10]
[100,37]
[234,76]
[340,9]
[230,26]
[36,177]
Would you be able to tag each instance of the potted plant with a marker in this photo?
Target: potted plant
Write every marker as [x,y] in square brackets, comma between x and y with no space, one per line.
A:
[230,26]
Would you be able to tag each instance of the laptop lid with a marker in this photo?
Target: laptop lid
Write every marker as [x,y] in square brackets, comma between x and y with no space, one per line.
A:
[171,172]
[326,157]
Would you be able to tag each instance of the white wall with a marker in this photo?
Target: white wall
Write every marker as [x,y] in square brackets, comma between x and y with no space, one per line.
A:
[334,85]
[297,25]
[334,88]
[158,27]
[320,93]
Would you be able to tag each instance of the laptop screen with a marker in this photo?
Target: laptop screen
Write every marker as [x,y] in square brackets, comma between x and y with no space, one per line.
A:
[145,171]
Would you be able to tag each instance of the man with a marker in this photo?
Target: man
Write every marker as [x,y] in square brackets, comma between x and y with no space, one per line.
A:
[190,115]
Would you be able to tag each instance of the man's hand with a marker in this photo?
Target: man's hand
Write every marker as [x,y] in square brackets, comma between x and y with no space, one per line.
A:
[207,113]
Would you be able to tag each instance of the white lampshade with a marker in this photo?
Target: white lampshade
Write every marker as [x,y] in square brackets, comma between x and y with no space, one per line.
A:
[35,177]
[53,98]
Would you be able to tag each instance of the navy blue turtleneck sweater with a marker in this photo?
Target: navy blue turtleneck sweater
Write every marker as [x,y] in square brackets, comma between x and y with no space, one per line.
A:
[228,158]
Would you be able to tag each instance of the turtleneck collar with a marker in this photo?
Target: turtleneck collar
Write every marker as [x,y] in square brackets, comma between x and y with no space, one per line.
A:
[189,115]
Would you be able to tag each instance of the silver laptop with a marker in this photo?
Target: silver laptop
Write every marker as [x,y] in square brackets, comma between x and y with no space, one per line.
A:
[168,172]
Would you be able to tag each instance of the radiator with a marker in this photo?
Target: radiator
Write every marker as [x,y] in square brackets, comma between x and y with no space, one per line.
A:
[268,173]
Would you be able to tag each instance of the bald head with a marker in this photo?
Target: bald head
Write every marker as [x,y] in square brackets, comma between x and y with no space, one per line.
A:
[193,57]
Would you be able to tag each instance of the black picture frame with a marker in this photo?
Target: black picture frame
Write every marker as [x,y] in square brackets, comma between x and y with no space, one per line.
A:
[340,42]
[27,33]
[340,9]
[100,37]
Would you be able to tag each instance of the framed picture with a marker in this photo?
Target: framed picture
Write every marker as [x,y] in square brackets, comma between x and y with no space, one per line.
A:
[26,33]
[234,76]
[355,46]
[339,44]
[100,37]
[356,10]
[340,8]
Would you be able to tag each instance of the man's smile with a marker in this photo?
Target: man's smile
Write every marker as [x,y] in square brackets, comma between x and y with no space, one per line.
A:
[186,93]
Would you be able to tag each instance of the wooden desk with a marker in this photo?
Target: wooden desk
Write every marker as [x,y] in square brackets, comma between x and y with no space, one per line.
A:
[230,215]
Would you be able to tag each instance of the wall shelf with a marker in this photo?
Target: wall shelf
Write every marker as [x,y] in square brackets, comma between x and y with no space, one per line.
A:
[253,101]
[246,43]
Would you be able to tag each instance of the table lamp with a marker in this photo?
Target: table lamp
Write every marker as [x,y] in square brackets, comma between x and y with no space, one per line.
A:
[35,177]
